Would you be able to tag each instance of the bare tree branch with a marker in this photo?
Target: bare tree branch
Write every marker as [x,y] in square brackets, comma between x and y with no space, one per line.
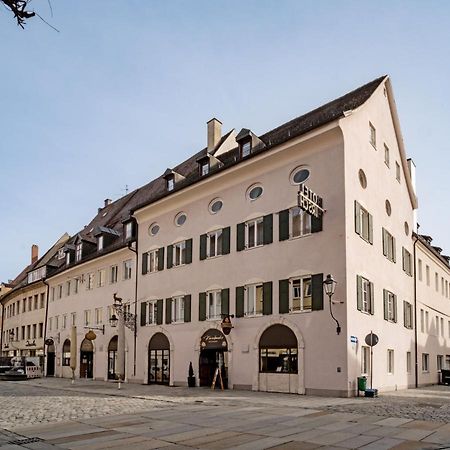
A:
[20,10]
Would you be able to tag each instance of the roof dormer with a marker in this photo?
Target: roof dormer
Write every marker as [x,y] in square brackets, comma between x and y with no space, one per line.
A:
[248,142]
[172,179]
[105,237]
[206,163]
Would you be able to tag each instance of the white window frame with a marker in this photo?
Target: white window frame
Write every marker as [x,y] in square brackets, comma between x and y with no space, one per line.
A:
[293,298]
[170,184]
[214,302]
[152,312]
[127,269]
[78,251]
[179,254]
[425,362]
[152,261]
[98,316]
[372,135]
[128,230]
[87,317]
[246,148]
[177,309]
[364,223]
[100,240]
[101,278]
[439,362]
[391,306]
[213,248]
[366,296]
[304,222]
[407,262]
[254,224]
[390,361]
[250,299]
[90,281]
[408,314]
[113,274]
[388,245]
[408,362]
[387,155]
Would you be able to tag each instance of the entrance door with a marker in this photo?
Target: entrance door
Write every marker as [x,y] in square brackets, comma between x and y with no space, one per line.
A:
[213,356]
[159,360]
[112,359]
[86,359]
[50,364]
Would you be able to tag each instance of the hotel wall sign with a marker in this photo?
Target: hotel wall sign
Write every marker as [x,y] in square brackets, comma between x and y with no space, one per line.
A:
[309,201]
[213,340]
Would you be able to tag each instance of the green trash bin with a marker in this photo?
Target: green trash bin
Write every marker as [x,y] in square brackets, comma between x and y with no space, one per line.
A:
[362,383]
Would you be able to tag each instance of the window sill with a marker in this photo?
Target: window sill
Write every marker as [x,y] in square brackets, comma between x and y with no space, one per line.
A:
[213,257]
[253,315]
[256,246]
[178,265]
[177,322]
[213,319]
[293,238]
[281,373]
[374,146]
[365,312]
[302,311]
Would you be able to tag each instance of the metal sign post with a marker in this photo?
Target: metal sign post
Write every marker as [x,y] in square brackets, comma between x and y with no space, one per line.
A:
[371,340]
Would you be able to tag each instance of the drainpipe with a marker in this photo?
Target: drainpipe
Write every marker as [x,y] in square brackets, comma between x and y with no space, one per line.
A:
[44,280]
[416,368]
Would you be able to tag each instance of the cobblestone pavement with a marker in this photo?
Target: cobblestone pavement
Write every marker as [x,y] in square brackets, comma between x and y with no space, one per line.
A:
[53,414]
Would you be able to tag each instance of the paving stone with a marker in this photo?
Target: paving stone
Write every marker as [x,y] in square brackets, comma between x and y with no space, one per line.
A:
[414,445]
[295,445]
[423,425]
[357,441]
[383,444]
[331,438]
[393,422]
[382,431]
[413,434]
[336,426]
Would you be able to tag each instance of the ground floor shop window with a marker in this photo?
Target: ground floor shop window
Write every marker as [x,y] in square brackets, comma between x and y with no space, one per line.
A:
[66,353]
[425,362]
[278,350]
[159,360]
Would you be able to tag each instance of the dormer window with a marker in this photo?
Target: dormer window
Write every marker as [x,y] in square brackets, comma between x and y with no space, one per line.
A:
[170,184]
[204,168]
[100,243]
[67,258]
[128,230]
[246,148]
[78,252]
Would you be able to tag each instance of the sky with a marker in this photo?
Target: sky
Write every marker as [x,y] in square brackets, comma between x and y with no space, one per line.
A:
[125,89]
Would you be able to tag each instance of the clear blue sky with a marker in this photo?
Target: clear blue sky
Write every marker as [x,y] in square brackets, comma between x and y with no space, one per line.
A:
[125,89]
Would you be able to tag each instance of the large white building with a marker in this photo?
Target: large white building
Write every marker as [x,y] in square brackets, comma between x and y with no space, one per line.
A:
[222,236]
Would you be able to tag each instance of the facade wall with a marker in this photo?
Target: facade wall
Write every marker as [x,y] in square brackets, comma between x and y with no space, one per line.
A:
[322,252]
[433,315]
[366,259]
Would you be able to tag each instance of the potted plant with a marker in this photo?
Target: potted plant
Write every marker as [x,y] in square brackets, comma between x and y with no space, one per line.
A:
[191,378]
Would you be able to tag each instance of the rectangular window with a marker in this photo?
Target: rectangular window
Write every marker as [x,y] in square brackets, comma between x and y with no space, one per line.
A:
[24,304]
[437,326]
[407,262]
[50,324]
[436,281]
[254,232]
[363,223]
[60,291]
[78,251]
[425,362]
[76,286]
[73,319]
[64,322]
[113,274]
[442,327]
[90,281]
[447,362]
[386,155]
[87,317]
[439,362]
[128,230]
[152,261]
[419,265]
[214,244]
[278,360]
[178,309]
[204,168]
[34,331]
[36,303]
[253,300]
[388,245]
[408,315]
[397,171]
[152,312]
[373,135]
[29,332]
[408,362]
[100,243]
[214,309]
[56,322]
[246,148]
[170,184]
[427,271]
[179,253]
[427,323]
[127,269]
[67,258]
[101,275]
[41,330]
[390,362]
[300,222]
[67,288]
[422,321]
[98,316]
[301,294]
[365,295]
[23,333]
[365,360]
[390,313]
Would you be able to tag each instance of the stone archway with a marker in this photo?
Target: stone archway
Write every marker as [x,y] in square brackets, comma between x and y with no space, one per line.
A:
[86,359]
[159,359]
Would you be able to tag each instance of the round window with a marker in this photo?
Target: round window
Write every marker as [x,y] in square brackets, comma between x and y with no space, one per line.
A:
[180,219]
[299,175]
[255,192]
[388,208]
[362,178]
[406,228]
[153,229]
[215,206]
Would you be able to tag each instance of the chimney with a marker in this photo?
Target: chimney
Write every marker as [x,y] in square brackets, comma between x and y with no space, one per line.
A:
[108,201]
[214,133]
[34,253]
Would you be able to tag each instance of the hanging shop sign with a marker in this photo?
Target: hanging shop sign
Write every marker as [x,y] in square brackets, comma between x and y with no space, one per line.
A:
[309,201]
[90,336]
[49,341]
[213,340]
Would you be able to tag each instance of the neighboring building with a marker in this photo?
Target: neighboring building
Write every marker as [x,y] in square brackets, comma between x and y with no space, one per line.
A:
[221,236]
[433,311]
[24,306]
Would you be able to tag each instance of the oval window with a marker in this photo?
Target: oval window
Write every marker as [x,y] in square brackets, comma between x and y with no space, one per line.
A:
[180,219]
[215,206]
[153,229]
[255,192]
[362,178]
[300,175]
[388,208]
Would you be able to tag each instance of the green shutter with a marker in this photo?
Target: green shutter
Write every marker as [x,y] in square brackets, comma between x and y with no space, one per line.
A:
[226,240]
[240,301]
[240,242]
[159,312]
[268,229]
[143,314]
[188,251]
[385,304]
[267,298]
[168,310]
[372,299]
[385,250]
[203,238]
[357,216]
[283,225]
[359,292]
[144,263]
[394,247]
[161,258]
[316,222]
[395,308]
[169,256]
[187,308]
[283,294]
[317,291]
[202,306]
[225,299]
[370,228]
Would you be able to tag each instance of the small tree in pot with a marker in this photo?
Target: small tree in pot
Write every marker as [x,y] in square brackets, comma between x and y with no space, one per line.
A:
[191,378]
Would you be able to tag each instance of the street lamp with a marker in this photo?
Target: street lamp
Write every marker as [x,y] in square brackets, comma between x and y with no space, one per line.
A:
[113,320]
[330,286]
